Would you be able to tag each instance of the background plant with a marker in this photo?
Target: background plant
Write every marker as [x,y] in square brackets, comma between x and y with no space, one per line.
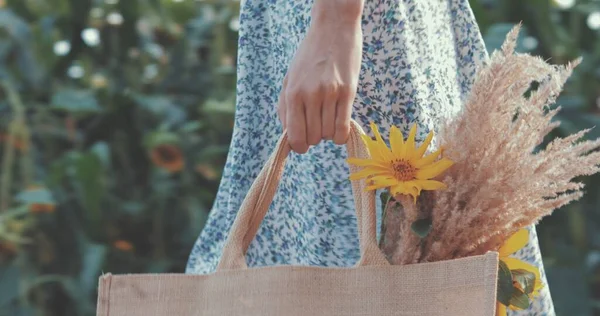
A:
[116,116]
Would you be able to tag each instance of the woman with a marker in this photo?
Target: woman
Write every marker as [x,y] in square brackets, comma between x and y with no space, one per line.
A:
[395,62]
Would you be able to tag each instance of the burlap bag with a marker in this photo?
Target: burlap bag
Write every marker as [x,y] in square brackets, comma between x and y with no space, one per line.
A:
[462,287]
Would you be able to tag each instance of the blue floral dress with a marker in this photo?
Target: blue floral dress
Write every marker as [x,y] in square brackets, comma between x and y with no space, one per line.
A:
[419,61]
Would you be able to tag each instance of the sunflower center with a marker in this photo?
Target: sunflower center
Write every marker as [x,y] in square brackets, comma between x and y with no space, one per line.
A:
[403,170]
[168,153]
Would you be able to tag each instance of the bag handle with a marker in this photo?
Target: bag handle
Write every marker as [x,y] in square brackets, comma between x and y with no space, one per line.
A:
[262,191]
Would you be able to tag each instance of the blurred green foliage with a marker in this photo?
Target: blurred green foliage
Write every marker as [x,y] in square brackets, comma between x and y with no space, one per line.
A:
[115,120]
[116,116]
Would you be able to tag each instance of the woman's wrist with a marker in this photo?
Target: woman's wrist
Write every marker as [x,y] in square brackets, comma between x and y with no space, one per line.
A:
[339,12]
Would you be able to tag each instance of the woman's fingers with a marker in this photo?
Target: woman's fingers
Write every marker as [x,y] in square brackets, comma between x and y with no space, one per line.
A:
[313,114]
[281,108]
[321,83]
[328,112]
[342,117]
[296,123]
[313,103]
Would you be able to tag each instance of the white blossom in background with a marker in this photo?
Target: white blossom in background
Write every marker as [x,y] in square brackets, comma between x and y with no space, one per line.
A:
[96,13]
[593,20]
[234,24]
[62,48]
[133,53]
[155,50]
[99,80]
[75,71]
[114,18]
[111,1]
[565,4]
[530,43]
[91,36]
[150,71]
[209,14]
[143,27]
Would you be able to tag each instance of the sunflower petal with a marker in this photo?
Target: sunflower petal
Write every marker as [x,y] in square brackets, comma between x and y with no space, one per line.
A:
[514,243]
[377,186]
[399,188]
[367,172]
[414,191]
[367,163]
[384,179]
[500,309]
[384,151]
[429,184]
[375,151]
[371,145]
[396,142]
[423,148]
[434,169]
[410,142]
[429,159]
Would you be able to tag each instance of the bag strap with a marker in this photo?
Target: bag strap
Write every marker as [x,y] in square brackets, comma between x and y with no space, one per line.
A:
[262,191]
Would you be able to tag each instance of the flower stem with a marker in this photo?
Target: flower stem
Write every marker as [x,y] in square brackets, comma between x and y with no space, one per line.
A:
[7,162]
[386,199]
[17,130]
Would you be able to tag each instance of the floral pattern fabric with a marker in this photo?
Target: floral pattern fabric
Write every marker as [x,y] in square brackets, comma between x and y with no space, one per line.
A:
[419,62]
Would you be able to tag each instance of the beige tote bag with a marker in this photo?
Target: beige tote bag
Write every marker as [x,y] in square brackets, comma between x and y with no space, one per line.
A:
[463,287]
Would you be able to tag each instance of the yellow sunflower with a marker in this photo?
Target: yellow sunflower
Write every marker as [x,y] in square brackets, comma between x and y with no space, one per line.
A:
[168,157]
[511,246]
[403,168]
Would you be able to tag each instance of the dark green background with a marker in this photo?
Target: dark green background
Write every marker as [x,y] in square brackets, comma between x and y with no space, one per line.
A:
[166,74]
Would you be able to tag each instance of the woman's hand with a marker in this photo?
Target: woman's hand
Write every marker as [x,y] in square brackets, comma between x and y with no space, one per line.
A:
[318,91]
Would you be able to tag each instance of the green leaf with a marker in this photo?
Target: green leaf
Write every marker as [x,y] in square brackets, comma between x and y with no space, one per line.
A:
[19,310]
[218,106]
[56,173]
[210,152]
[93,259]
[73,289]
[102,151]
[158,105]
[39,196]
[161,138]
[421,227]
[75,102]
[585,8]
[520,299]
[159,266]
[526,279]
[191,126]
[570,288]
[171,114]
[20,33]
[385,198]
[9,283]
[505,284]
[132,207]
[89,179]
[197,214]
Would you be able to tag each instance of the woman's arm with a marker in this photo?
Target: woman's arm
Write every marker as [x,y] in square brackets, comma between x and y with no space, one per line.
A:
[318,91]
